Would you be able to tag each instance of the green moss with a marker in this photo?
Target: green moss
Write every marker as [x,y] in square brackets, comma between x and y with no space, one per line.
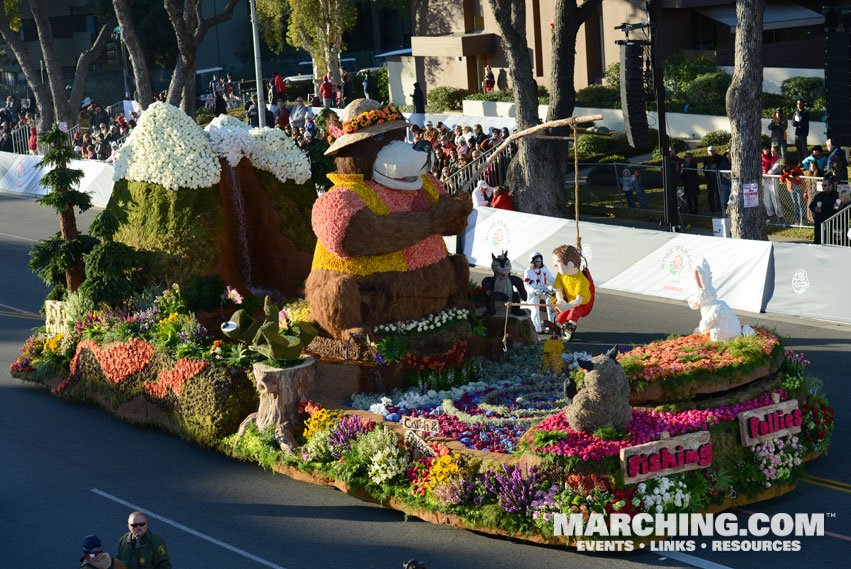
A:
[213,404]
[294,204]
[183,230]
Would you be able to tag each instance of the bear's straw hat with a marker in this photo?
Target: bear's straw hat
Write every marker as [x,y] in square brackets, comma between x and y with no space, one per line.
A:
[358,112]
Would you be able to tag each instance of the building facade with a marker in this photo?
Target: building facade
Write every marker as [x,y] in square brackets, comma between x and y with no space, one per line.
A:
[453,40]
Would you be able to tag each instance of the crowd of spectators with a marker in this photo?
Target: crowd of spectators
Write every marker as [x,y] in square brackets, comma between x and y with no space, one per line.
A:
[458,146]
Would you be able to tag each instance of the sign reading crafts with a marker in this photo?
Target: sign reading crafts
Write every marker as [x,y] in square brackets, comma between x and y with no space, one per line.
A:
[666,456]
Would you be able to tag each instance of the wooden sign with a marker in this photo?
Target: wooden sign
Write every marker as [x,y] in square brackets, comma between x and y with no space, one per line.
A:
[421,424]
[770,422]
[55,317]
[420,447]
[666,456]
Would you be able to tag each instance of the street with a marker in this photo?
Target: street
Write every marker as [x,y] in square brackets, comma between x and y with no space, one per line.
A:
[69,470]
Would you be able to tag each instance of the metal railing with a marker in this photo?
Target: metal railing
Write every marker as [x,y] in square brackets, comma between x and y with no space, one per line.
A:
[786,200]
[21,139]
[494,174]
[835,229]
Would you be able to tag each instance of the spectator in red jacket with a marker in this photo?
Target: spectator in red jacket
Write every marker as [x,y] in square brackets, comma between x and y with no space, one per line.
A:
[33,142]
[768,159]
[280,88]
[326,90]
[502,199]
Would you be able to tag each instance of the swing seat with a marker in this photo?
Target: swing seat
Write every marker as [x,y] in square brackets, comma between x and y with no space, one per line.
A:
[587,274]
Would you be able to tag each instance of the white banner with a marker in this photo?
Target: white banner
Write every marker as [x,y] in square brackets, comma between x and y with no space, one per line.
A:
[18,174]
[739,269]
[492,231]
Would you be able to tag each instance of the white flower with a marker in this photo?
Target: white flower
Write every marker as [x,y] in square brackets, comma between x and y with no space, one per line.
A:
[231,138]
[275,152]
[168,148]
[658,509]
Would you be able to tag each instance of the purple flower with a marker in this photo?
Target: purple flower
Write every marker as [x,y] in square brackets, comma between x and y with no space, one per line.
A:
[348,430]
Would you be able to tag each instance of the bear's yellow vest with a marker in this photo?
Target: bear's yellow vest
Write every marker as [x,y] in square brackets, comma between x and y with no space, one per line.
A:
[368,264]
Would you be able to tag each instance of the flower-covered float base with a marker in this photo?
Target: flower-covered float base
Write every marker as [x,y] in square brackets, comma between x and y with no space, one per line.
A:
[462,522]
[400,353]
[134,381]
[507,460]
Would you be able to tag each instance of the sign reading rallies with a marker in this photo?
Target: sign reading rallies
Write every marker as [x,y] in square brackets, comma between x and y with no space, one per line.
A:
[666,456]
[770,422]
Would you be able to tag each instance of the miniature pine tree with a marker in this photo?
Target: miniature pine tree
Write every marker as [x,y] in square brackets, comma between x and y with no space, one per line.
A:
[58,260]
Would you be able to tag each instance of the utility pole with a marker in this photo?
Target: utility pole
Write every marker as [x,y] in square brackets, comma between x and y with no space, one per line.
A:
[258,66]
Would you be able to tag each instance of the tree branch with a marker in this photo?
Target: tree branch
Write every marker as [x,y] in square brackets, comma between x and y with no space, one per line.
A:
[223,16]
[84,62]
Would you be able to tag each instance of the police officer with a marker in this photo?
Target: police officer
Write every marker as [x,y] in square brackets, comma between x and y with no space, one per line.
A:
[141,549]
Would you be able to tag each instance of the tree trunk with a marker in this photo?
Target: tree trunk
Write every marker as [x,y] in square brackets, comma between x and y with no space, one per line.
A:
[61,108]
[43,100]
[744,101]
[65,105]
[84,61]
[190,30]
[187,105]
[536,174]
[144,94]
[68,230]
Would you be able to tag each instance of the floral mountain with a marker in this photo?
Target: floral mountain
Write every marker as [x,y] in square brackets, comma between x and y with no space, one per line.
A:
[215,201]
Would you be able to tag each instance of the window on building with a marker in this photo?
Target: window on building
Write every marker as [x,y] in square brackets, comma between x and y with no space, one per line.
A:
[704,32]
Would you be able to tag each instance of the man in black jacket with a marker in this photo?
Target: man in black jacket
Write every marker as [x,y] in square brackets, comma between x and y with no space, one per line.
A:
[801,122]
[825,203]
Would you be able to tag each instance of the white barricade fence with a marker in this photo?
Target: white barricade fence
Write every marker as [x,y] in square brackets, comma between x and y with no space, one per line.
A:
[739,270]
[18,174]
[807,281]
[756,276]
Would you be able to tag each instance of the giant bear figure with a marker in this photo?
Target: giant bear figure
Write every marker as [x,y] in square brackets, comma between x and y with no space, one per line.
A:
[380,255]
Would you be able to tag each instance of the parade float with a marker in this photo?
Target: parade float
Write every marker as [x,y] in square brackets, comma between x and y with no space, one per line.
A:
[423,411]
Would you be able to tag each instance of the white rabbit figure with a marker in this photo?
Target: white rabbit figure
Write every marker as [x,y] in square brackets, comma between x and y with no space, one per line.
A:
[716,317]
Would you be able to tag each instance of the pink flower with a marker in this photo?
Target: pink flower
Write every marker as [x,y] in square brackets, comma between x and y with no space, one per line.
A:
[234,295]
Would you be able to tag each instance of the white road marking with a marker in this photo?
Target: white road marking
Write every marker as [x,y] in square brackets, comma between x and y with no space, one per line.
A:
[18,237]
[190,531]
[694,561]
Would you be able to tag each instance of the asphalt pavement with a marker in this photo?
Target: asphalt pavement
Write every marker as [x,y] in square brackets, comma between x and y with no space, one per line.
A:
[70,469]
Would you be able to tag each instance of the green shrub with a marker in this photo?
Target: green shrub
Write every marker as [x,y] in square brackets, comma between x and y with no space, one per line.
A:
[442,99]
[709,89]
[715,138]
[593,144]
[205,293]
[679,72]
[807,88]
[612,77]
[598,97]
[203,116]
[772,101]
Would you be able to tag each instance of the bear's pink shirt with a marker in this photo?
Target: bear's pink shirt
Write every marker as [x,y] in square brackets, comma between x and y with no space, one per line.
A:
[333,211]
